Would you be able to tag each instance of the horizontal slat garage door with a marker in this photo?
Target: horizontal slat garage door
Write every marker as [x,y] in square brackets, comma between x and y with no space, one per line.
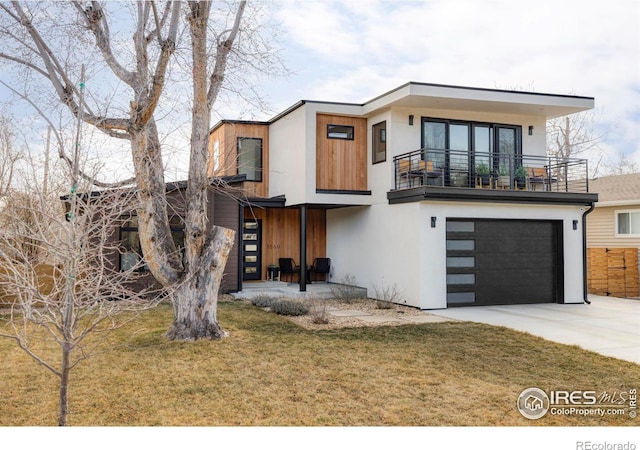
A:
[499,262]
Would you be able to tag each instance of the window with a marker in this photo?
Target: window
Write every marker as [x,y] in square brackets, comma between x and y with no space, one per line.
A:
[250,158]
[628,223]
[131,250]
[470,144]
[216,156]
[340,132]
[379,142]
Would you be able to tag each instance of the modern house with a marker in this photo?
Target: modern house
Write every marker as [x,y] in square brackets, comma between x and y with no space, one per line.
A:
[613,236]
[445,192]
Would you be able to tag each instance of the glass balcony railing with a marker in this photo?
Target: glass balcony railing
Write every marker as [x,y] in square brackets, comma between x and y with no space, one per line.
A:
[463,169]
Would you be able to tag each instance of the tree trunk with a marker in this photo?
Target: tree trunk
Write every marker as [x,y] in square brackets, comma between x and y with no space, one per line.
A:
[195,301]
[64,385]
[157,245]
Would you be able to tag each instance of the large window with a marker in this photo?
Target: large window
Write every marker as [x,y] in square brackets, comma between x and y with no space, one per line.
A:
[250,158]
[131,250]
[379,142]
[469,144]
[628,223]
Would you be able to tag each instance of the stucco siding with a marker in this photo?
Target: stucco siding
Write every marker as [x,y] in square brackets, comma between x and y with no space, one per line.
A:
[396,245]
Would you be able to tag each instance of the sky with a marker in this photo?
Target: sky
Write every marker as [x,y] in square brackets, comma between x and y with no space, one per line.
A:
[355,50]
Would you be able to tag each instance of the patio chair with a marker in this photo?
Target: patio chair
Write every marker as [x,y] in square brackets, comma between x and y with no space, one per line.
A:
[322,266]
[288,267]
[540,177]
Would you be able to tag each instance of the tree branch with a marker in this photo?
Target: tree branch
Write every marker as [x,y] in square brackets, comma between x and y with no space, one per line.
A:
[95,20]
[222,54]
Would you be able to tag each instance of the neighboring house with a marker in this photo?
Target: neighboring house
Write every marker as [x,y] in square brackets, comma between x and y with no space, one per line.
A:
[416,188]
[613,235]
[615,223]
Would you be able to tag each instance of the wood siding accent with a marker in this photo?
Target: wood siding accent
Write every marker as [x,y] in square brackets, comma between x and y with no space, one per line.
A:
[227,137]
[341,164]
[613,271]
[281,234]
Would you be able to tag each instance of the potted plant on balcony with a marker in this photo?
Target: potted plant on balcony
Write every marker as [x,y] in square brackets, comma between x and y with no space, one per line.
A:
[504,180]
[520,176]
[482,172]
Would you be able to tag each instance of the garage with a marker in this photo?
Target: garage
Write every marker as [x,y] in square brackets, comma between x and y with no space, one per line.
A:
[503,261]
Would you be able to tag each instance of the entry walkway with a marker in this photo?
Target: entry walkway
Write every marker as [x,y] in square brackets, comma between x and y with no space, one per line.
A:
[609,326]
[251,289]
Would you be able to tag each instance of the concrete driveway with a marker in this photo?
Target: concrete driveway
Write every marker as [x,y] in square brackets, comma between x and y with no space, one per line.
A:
[609,326]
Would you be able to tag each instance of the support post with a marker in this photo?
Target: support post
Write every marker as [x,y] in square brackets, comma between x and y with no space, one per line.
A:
[303,248]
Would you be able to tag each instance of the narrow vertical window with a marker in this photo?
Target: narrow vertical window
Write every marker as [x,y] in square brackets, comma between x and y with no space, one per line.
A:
[216,156]
[379,142]
[250,158]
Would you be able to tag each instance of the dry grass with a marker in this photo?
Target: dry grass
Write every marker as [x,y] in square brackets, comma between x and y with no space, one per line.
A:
[272,372]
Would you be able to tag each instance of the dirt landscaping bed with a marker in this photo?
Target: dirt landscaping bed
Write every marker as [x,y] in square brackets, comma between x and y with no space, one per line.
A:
[362,312]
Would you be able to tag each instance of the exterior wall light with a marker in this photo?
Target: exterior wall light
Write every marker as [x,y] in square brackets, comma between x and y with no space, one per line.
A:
[410,119]
[433,221]
[530,130]
[575,224]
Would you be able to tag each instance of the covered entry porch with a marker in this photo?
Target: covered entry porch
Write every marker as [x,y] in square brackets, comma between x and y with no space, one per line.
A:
[270,231]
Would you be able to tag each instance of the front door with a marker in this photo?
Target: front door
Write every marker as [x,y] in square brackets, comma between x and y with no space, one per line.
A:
[251,245]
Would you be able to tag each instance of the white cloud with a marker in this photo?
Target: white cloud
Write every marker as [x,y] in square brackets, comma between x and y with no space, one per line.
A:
[352,51]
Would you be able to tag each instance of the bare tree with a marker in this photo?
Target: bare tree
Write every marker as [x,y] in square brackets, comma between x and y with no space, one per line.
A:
[60,285]
[573,136]
[157,28]
[9,156]
[620,166]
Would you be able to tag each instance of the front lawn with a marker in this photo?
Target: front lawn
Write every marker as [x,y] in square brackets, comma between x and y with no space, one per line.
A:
[271,372]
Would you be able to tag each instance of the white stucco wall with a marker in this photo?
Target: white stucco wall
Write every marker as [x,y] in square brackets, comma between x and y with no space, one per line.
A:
[287,156]
[395,244]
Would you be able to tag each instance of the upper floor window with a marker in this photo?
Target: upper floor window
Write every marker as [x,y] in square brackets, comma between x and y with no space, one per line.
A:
[379,142]
[628,223]
[250,158]
[340,132]
[216,156]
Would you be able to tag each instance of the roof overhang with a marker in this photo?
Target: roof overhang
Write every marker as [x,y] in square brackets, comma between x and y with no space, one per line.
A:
[437,96]
[604,204]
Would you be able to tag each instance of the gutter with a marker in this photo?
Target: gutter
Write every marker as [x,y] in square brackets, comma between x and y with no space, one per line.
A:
[584,251]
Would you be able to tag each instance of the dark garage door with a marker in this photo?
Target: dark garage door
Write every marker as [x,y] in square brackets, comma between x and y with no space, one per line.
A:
[500,262]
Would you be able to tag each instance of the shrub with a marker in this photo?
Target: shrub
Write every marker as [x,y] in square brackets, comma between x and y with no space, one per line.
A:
[262,301]
[346,290]
[387,296]
[318,312]
[286,307]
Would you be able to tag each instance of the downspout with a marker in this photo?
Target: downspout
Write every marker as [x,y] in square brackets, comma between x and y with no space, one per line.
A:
[584,251]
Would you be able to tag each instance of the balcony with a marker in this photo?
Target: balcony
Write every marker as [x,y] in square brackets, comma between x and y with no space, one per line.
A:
[448,174]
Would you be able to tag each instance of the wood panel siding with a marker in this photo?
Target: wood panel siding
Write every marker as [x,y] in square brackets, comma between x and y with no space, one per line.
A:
[341,164]
[281,234]
[613,271]
[225,139]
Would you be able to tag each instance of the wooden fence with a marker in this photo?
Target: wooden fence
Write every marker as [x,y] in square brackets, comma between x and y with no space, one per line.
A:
[613,271]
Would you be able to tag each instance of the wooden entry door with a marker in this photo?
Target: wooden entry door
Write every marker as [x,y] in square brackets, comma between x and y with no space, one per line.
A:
[251,249]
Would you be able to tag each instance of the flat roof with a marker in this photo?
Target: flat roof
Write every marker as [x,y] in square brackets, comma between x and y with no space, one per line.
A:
[465,98]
